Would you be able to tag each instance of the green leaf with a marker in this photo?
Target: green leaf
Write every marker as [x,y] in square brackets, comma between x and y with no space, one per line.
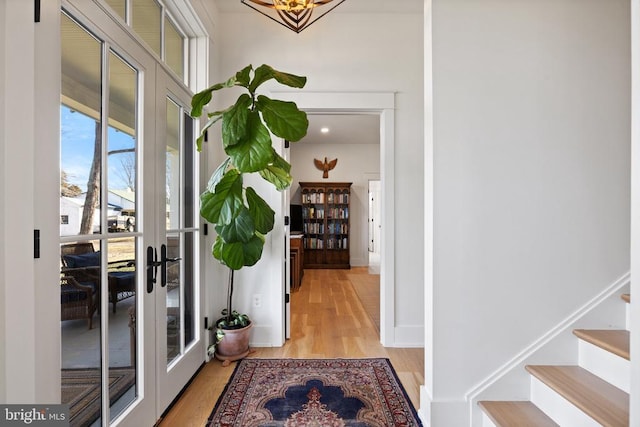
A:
[237,255]
[254,152]
[216,250]
[280,178]
[235,121]
[262,214]
[243,76]
[264,73]
[241,229]
[213,118]
[217,175]
[280,162]
[221,206]
[202,98]
[283,118]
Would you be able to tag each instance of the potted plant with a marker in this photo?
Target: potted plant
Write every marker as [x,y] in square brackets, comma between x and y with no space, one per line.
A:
[240,216]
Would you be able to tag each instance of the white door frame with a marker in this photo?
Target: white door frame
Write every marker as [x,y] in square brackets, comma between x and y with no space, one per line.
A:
[383,104]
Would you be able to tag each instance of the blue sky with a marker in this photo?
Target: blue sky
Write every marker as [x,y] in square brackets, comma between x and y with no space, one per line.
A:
[77,141]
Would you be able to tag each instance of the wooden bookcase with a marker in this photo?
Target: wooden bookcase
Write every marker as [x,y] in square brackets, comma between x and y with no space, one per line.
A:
[325,222]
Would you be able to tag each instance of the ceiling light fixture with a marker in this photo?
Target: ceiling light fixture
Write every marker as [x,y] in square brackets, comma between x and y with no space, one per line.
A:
[324,130]
[296,15]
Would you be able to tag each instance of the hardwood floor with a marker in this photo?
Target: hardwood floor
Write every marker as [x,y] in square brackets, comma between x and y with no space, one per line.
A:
[328,321]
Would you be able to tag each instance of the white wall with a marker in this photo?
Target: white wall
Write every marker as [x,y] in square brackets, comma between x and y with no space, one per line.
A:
[356,164]
[635,214]
[3,184]
[531,128]
[355,53]
[17,282]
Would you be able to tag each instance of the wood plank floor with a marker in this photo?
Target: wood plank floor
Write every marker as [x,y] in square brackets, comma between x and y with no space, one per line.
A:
[328,321]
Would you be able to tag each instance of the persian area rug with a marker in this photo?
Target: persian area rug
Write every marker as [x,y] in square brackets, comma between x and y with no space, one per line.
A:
[81,391]
[313,392]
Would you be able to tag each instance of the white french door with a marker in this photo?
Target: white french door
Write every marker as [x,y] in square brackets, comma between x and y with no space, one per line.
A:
[180,343]
[129,237]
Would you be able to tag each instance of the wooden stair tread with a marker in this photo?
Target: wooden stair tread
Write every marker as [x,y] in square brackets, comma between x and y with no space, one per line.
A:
[626,297]
[615,341]
[516,414]
[603,402]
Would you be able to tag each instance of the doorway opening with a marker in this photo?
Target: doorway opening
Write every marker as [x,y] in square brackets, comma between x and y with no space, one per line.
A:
[380,105]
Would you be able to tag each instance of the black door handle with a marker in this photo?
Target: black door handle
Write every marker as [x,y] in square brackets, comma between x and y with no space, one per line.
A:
[152,268]
[164,260]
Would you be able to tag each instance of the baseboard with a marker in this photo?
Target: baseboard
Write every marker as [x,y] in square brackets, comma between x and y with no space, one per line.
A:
[424,412]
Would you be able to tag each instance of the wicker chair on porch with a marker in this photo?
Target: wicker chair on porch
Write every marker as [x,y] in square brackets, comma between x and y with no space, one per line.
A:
[82,261]
[77,301]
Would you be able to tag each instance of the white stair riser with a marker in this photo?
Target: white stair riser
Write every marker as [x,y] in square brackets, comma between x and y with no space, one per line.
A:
[557,407]
[627,310]
[608,366]
[486,421]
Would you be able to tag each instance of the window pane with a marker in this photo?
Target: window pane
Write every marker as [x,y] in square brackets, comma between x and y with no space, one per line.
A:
[80,265]
[173,165]
[173,48]
[119,6]
[121,276]
[81,130]
[146,19]
[121,159]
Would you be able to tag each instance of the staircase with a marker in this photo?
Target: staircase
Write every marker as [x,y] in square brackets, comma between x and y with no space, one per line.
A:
[593,393]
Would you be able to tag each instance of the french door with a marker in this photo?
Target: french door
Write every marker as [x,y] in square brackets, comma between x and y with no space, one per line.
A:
[180,344]
[130,288]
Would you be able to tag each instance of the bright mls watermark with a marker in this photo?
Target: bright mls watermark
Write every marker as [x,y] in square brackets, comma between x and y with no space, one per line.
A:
[34,415]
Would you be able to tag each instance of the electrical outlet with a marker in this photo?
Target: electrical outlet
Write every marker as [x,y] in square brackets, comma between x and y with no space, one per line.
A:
[257,300]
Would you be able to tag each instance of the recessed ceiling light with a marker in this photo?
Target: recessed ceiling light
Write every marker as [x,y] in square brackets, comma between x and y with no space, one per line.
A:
[324,130]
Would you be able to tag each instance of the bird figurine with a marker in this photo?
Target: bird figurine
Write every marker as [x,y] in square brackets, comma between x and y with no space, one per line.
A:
[325,166]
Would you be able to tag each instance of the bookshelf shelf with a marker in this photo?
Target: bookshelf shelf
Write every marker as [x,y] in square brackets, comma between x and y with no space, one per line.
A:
[325,222]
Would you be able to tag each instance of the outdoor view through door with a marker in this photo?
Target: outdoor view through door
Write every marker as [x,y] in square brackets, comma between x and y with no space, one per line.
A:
[98,196]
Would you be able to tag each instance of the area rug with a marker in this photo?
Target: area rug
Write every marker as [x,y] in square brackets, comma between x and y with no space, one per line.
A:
[313,392]
[81,391]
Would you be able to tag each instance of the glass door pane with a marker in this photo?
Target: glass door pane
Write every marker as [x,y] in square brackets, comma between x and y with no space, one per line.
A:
[98,239]
[80,205]
[180,240]
[122,260]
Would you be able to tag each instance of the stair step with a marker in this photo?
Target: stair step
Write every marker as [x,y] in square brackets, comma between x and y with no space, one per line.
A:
[626,297]
[516,414]
[606,404]
[615,341]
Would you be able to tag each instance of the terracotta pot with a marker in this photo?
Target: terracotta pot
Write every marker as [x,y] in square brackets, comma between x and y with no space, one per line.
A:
[234,345]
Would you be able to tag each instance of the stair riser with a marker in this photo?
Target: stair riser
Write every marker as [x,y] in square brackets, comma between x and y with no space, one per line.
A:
[557,407]
[611,368]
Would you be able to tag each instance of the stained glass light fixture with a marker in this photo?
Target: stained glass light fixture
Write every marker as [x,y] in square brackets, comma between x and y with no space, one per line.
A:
[296,15]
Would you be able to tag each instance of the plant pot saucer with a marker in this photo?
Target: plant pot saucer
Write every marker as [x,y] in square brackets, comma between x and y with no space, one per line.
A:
[226,360]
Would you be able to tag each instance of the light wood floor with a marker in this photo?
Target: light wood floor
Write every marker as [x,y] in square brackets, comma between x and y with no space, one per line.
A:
[328,321]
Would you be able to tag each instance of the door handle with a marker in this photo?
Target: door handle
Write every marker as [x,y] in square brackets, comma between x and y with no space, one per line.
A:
[152,267]
[164,260]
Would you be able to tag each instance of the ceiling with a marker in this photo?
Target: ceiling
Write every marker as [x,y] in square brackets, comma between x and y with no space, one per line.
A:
[343,129]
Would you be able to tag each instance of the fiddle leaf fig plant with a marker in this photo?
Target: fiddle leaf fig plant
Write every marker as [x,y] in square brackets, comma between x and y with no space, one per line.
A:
[240,215]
